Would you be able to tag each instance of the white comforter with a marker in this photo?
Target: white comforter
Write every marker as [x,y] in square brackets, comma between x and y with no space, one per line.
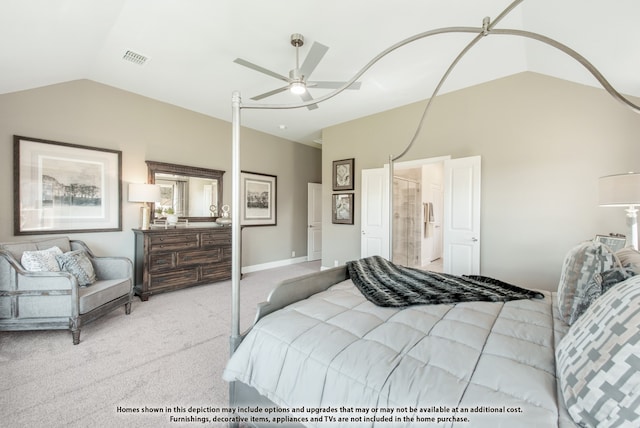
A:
[338,351]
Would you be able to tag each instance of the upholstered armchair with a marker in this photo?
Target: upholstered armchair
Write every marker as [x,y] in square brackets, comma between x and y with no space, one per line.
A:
[57,283]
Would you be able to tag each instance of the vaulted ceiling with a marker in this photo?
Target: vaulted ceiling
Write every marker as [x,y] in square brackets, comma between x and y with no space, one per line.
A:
[190,46]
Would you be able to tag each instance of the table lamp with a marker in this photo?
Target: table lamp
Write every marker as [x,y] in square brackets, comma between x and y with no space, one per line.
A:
[623,190]
[144,193]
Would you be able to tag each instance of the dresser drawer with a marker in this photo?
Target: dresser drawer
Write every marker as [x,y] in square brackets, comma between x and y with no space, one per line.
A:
[161,261]
[182,241]
[216,238]
[174,278]
[185,258]
[217,272]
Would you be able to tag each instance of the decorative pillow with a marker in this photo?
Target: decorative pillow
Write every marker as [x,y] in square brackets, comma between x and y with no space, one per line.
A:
[598,360]
[79,265]
[580,265]
[598,285]
[41,260]
[630,258]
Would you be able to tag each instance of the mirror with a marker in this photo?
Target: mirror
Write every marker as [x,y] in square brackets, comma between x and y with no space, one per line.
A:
[193,193]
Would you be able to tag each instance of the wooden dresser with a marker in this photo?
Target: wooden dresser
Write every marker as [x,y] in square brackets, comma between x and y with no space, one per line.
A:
[174,258]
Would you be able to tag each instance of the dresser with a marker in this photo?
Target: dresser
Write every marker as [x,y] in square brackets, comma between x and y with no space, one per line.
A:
[175,258]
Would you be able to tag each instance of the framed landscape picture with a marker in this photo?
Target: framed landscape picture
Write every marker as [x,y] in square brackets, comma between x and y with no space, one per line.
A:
[258,194]
[64,188]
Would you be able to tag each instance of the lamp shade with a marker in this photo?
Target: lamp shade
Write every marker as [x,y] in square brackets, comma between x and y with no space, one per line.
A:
[139,192]
[619,190]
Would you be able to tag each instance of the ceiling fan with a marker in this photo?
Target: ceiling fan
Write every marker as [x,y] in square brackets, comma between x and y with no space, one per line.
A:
[297,82]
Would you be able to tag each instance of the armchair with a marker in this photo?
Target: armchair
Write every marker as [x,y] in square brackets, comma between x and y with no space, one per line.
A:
[47,300]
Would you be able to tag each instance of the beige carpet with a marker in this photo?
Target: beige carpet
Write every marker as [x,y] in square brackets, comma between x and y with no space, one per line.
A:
[169,352]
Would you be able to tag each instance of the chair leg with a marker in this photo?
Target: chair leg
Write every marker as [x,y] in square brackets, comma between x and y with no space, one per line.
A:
[74,325]
[127,308]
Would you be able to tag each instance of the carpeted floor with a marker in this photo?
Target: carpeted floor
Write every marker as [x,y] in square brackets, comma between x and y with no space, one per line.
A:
[170,352]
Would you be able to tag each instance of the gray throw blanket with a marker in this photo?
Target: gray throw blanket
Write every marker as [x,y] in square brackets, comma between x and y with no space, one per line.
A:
[387,284]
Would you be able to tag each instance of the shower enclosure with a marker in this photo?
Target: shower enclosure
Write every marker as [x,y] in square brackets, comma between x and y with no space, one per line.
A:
[406,222]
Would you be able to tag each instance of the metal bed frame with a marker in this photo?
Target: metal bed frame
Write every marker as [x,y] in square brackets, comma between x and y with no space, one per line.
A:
[300,288]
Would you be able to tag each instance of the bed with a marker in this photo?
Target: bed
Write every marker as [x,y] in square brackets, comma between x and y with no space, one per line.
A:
[322,354]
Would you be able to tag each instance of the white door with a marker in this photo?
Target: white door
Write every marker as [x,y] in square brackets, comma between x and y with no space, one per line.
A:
[374,209]
[314,221]
[462,216]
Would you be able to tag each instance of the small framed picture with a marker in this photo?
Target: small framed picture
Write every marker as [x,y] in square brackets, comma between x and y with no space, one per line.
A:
[342,208]
[343,174]
[258,195]
[615,242]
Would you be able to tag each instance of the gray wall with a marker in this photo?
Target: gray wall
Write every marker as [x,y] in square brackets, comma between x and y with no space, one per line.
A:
[544,142]
[92,114]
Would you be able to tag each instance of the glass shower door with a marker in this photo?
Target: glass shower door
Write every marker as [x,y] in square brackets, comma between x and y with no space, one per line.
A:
[406,222]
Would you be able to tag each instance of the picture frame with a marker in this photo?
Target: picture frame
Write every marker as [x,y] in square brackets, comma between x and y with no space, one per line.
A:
[342,208]
[65,188]
[615,242]
[259,194]
[342,174]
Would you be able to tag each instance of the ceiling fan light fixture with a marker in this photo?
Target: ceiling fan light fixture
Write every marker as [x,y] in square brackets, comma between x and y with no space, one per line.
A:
[297,88]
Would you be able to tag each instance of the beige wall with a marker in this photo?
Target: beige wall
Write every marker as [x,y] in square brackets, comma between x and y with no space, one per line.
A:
[92,114]
[544,142]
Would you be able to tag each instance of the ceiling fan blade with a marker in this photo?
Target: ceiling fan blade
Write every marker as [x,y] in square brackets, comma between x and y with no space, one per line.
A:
[268,94]
[306,96]
[313,58]
[261,69]
[332,85]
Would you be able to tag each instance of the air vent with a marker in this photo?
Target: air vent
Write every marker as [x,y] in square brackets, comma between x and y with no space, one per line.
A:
[135,58]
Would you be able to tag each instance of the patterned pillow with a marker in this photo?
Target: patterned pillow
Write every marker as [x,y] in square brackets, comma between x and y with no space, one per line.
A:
[79,265]
[41,260]
[629,258]
[580,265]
[598,361]
[598,285]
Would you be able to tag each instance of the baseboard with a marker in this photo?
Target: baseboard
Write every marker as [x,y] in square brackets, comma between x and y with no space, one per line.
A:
[271,265]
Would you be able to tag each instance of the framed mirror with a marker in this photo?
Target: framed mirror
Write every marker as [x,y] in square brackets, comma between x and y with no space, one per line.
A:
[190,192]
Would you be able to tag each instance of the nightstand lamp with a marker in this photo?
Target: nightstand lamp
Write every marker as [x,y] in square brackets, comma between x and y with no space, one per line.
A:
[623,190]
[144,193]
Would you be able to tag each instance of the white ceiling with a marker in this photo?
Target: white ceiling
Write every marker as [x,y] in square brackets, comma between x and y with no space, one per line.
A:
[191,45]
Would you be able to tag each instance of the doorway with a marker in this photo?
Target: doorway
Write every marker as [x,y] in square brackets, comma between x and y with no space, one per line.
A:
[449,217]
[417,214]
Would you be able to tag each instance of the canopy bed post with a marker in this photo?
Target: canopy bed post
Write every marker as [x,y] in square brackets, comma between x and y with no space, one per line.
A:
[236,249]
[391,159]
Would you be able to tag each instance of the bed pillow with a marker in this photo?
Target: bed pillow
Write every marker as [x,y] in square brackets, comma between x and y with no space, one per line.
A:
[598,360]
[629,258]
[41,260]
[580,265]
[79,265]
[599,284]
